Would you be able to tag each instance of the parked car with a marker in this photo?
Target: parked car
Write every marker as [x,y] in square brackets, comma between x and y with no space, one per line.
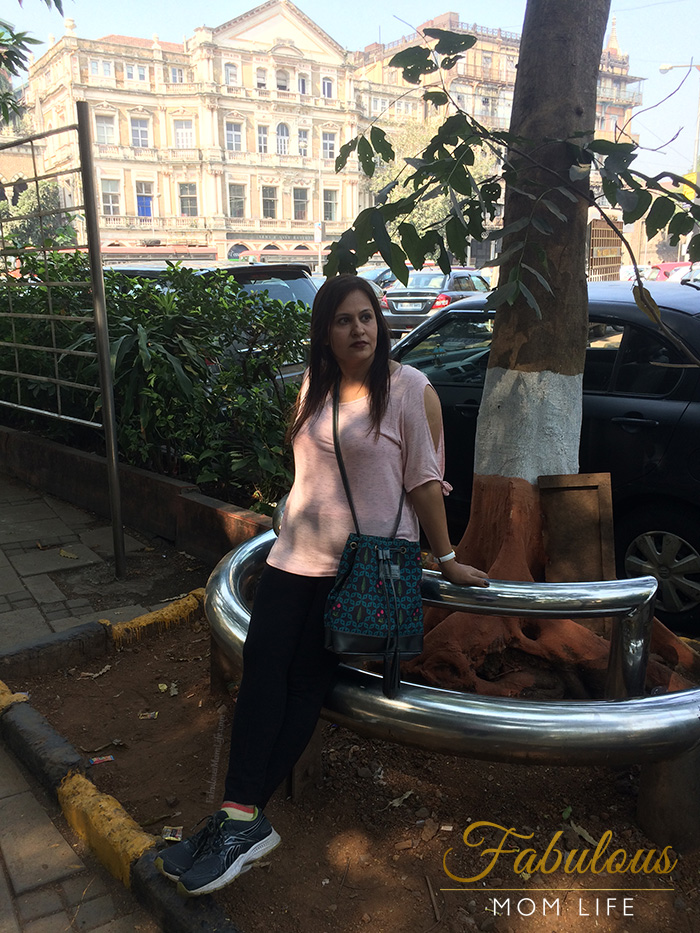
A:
[641,423]
[319,280]
[285,281]
[380,275]
[427,291]
[661,272]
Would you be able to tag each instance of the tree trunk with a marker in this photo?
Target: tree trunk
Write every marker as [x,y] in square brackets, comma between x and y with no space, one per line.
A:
[530,418]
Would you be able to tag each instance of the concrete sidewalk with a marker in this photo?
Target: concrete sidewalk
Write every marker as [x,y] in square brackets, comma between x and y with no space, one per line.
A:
[45,885]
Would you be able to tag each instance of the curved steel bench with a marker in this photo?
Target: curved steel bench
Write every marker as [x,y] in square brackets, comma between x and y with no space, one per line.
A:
[660,732]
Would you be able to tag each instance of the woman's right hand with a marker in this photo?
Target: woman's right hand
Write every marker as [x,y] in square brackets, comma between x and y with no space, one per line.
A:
[463,574]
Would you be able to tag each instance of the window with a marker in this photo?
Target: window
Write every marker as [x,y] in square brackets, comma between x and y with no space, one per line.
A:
[136,73]
[188,199]
[261,78]
[379,104]
[282,139]
[328,140]
[262,139]
[104,130]
[301,203]
[303,142]
[236,200]
[144,198]
[457,354]
[327,87]
[100,68]
[269,202]
[330,205]
[139,133]
[303,84]
[629,361]
[110,196]
[282,79]
[177,76]
[234,136]
[231,73]
[184,134]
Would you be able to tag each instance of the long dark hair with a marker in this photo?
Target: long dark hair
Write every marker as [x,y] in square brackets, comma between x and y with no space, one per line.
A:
[324,372]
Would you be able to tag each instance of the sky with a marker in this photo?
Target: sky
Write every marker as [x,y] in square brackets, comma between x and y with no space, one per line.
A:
[652,32]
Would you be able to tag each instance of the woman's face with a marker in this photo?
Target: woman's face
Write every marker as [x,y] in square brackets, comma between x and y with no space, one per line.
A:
[353,332]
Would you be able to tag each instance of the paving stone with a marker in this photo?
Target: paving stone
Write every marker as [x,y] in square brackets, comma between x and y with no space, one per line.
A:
[9,581]
[123,925]
[77,603]
[81,888]
[19,626]
[11,778]
[91,914]
[12,491]
[76,518]
[51,560]
[25,603]
[56,923]
[38,904]
[60,613]
[35,852]
[8,918]
[46,531]
[120,614]
[102,541]
[18,513]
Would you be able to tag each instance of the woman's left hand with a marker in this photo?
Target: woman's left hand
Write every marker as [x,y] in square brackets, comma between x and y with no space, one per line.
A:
[463,574]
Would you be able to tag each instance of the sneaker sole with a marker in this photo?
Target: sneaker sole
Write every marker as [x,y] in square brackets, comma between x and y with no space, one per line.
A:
[161,868]
[239,867]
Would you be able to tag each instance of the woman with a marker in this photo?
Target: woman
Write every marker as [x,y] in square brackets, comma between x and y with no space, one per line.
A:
[390,428]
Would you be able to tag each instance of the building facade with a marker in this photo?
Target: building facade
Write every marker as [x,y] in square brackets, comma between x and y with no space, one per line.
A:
[228,141]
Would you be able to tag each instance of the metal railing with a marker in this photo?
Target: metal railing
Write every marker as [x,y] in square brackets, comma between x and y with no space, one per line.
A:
[48,326]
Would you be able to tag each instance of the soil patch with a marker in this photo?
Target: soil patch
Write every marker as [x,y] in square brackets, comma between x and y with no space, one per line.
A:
[366,850]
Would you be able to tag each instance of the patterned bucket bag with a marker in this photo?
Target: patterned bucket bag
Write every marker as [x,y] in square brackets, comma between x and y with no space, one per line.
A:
[374,610]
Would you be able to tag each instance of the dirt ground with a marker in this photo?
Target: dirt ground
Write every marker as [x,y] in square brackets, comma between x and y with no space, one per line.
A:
[369,849]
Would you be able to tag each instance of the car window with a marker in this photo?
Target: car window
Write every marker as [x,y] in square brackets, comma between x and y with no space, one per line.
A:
[604,341]
[630,360]
[296,289]
[457,354]
[463,283]
[649,365]
[426,280]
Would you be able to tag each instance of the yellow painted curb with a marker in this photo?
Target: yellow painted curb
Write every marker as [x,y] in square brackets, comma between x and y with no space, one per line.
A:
[104,824]
[7,697]
[187,609]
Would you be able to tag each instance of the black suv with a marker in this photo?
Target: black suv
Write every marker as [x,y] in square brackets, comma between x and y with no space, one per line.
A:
[641,424]
[283,280]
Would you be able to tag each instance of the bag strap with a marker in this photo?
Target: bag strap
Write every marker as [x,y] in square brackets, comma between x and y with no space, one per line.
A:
[343,473]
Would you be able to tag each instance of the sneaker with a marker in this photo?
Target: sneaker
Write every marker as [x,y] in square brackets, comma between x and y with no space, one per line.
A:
[228,851]
[177,859]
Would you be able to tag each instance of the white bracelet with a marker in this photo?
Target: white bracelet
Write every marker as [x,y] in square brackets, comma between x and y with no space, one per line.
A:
[443,560]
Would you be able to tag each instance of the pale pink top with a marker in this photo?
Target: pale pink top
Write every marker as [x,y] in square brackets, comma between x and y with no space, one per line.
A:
[317,519]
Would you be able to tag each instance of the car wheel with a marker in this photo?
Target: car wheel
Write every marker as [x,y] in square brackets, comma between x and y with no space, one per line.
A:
[664,542]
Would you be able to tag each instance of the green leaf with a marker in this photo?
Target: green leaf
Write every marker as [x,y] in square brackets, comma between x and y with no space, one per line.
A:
[694,248]
[504,294]
[381,144]
[639,201]
[662,210]
[449,43]
[414,62]
[456,238]
[553,209]
[366,156]
[381,236]
[608,147]
[437,98]
[531,300]
[579,172]
[449,61]
[541,225]
[344,154]
[567,193]
[507,253]
[540,278]
[644,301]
[509,228]
[566,813]
[412,244]
[680,224]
